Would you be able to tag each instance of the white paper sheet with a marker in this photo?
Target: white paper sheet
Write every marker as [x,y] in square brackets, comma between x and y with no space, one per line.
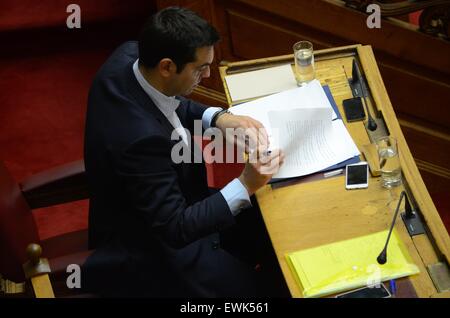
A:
[261,82]
[310,140]
[309,96]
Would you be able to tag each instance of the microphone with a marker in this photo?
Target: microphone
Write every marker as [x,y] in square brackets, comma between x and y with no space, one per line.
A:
[356,75]
[382,258]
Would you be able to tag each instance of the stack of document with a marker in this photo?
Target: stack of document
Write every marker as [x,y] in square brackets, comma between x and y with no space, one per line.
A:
[349,264]
[302,122]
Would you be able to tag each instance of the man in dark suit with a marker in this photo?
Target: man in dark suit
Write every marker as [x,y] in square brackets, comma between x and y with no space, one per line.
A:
[156,228]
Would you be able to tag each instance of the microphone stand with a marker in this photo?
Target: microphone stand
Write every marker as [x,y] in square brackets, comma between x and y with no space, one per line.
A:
[371,124]
[412,221]
[356,75]
[381,259]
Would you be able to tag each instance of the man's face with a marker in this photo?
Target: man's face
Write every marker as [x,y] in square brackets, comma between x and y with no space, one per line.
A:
[192,74]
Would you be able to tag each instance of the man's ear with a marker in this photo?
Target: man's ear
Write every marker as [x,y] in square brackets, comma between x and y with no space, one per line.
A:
[167,67]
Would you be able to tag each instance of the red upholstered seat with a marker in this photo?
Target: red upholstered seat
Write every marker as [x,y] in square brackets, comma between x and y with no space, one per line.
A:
[220,173]
[18,228]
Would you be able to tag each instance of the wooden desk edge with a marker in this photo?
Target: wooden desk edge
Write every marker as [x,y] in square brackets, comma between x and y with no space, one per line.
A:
[287,57]
[250,65]
[409,167]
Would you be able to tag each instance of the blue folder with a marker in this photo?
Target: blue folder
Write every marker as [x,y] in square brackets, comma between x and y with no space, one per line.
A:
[355,159]
[339,165]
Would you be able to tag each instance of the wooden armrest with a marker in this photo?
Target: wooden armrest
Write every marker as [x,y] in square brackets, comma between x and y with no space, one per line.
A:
[39,270]
[58,185]
[36,269]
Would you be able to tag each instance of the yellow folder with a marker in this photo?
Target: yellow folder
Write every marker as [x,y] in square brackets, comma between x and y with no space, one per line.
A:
[349,264]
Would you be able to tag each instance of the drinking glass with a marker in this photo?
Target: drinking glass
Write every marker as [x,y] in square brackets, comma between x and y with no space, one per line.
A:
[304,62]
[391,174]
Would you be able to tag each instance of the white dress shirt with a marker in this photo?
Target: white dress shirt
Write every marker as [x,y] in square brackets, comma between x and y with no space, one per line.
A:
[234,192]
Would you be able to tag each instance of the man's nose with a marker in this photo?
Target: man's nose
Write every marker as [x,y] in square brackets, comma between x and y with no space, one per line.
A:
[206,73]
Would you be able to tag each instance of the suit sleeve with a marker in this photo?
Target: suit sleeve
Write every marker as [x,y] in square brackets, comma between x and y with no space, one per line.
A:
[151,184]
[188,111]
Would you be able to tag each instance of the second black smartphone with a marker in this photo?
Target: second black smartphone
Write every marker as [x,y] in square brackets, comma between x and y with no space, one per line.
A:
[354,109]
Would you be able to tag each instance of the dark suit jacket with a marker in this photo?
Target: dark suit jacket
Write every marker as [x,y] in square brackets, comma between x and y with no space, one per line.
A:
[153,223]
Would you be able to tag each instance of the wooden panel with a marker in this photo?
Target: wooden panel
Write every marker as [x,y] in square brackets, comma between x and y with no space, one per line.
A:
[250,35]
[209,96]
[430,150]
[428,144]
[348,24]
[415,91]
[245,43]
[436,186]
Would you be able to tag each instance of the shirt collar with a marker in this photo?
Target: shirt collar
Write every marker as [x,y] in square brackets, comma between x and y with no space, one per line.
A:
[166,104]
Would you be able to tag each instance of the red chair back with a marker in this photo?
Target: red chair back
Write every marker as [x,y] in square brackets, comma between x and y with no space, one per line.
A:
[17,227]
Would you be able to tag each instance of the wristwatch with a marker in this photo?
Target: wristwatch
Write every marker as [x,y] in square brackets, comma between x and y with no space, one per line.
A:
[217,115]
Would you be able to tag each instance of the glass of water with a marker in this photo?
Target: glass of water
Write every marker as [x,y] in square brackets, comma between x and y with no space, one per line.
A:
[304,62]
[391,174]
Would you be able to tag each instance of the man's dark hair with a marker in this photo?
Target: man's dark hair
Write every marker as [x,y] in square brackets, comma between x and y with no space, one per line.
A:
[174,33]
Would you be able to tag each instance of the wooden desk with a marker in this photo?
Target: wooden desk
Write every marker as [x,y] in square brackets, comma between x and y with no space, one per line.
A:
[308,214]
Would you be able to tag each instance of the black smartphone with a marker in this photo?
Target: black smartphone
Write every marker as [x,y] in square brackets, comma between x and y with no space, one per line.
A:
[354,109]
[367,292]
